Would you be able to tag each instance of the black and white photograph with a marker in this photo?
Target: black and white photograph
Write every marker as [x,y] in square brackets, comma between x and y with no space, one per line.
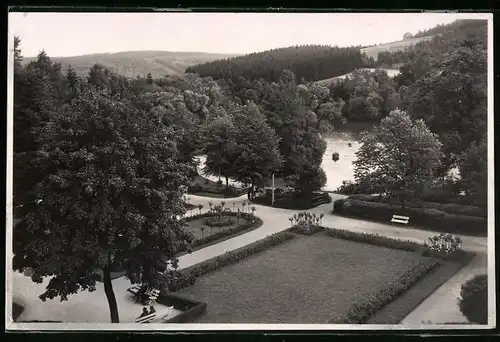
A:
[274,170]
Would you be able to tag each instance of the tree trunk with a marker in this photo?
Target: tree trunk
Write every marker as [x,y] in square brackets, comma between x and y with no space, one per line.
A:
[110,294]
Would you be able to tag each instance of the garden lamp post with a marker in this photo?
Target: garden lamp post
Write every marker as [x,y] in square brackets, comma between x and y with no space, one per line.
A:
[272,191]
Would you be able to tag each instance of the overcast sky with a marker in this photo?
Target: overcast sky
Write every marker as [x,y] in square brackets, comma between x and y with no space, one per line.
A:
[70,34]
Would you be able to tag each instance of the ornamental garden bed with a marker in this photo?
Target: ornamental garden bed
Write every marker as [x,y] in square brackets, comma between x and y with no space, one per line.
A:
[207,231]
[311,279]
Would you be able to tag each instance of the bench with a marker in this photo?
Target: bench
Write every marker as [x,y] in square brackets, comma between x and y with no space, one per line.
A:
[155,315]
[152,294]
[400,219]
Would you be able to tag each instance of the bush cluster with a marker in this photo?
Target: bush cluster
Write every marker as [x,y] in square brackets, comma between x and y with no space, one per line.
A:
[306,223]
[432,219]
[229,192]
[449,208]
[367,305]
[292,200]
[473,301]
[191,309]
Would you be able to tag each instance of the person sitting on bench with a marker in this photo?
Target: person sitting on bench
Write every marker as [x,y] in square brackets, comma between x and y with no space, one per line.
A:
[144,312]
[151,309]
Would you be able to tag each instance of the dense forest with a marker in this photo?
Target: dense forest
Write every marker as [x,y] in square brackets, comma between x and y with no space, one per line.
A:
[100,161]
[308,63]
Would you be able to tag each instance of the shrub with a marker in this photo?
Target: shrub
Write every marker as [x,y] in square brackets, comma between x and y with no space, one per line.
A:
[293,200]
[17,310]
[191,309]
[444,243]
[232,257]
[429,218]
[366,306]
[473,301]
[306,223]
[349,188]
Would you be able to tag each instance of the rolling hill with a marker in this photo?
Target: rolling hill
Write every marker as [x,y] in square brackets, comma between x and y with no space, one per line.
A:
[134,63]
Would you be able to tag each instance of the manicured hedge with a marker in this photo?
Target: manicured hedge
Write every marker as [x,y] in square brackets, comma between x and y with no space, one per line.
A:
[432,219]
[449,208]
[232,257]
[191,309]
[291,200]
[230,192]
[369,304]
[374,239]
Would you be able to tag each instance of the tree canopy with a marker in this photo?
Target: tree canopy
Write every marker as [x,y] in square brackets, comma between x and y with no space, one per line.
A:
[398,157]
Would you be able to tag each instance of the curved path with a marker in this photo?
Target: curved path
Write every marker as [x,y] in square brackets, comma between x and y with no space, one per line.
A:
[440,307]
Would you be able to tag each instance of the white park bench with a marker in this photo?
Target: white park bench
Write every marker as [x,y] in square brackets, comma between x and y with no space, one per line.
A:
[155,315]
[400,219]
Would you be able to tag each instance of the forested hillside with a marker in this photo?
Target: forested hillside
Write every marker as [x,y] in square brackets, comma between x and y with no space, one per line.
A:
[308,63]
[134,63]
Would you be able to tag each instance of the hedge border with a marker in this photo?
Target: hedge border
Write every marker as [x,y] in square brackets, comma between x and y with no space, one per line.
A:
[435,279]
[362,309]
[265,200]
[374,239]
[196,309]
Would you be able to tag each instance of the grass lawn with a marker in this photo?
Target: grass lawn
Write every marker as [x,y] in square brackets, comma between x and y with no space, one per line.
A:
[310,279]
[194,226]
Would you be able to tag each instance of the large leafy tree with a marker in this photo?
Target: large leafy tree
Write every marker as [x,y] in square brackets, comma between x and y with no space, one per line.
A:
[108,198]
[452,99]
[473,167]
[219,145]
[256,153]
[398,157]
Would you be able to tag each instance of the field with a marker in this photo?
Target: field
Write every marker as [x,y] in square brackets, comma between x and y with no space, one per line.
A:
[373,51]
[327,81]
[306,280]
[133,63]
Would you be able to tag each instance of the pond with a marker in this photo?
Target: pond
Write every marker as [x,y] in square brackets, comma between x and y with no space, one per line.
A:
[338,142]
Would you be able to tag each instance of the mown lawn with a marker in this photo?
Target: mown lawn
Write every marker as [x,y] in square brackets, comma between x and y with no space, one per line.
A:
[310,279]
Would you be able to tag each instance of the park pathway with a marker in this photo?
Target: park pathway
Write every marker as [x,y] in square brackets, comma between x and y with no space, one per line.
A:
[92,306]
